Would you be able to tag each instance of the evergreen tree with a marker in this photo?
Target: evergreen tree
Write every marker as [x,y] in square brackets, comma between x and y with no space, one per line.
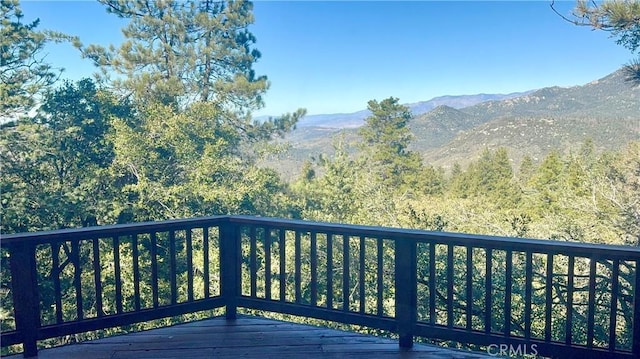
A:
[490,177]
[386,138]
[191,53]
[23,72]
[333,196]
[55,165]
[179,52]
[187,66]
[549,182]
[527,169]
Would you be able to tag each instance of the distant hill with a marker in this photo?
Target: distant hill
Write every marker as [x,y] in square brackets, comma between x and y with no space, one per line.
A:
[606,110]
[439,126]
[335,120]
[532,123]
[458,102]
[356,119]
[610,97]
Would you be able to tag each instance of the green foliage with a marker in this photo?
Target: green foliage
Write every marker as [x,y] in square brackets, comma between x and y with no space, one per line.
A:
[190,148]
[527,168]
[191,163]
[55,165]
[431,181]
[173,138]
[491,176]
[180,52]
[333,196]
[418,217]
[23,72]
[582,196]
[385,138]
[618,192]
[548,181]
[386,129]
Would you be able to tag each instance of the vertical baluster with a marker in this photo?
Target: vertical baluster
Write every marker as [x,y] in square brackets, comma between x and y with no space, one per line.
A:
[432,283]
[154,268]
[298,265]
[97,276]
[379,277]
[449,285]
[549,298]
[236,264]
[570,279]
[469,275]
[613,313]
[77,278]
[361,277]
[345,272]
[136,272]
[487,290]
[205,264]
[55,273]
[592,301]
[253,261]
[117,274]
[314,269]
[189,265]
[283,269]
[527,294]
[267,262]
[173,267]
[329,270]
[507,294]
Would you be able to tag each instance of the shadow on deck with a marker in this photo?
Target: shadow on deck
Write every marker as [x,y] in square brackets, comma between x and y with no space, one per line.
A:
[246,337]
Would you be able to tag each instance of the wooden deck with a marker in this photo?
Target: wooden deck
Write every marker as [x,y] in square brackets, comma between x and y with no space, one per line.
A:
[246,337]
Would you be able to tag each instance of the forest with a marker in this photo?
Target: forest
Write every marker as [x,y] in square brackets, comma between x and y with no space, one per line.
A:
[165,132]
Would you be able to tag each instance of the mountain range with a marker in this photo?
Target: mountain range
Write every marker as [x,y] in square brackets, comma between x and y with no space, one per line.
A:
[456,129]
[356,119]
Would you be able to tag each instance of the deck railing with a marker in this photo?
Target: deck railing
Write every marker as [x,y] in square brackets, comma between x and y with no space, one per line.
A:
[509,295]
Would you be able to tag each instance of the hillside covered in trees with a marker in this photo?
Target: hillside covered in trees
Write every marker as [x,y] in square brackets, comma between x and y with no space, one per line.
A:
[172,136]
[166,132]
[604,111]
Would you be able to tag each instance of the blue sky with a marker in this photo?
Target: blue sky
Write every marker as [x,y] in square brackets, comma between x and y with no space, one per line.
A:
[334,56]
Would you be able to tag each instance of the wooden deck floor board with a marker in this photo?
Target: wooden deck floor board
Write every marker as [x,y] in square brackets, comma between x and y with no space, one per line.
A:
[247,337]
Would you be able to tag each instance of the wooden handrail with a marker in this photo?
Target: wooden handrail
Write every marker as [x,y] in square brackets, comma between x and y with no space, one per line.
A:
[474,289]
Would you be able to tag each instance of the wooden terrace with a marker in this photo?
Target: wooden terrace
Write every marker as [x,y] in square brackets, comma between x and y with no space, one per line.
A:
[247,337]
[547,298]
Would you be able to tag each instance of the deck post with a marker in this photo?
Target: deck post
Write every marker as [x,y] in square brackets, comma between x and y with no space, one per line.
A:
[229,265]
[635,345]
[25,296]
[406,290]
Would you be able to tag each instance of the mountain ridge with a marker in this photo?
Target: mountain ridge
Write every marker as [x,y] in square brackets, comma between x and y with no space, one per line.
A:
[356,119]
[606,110]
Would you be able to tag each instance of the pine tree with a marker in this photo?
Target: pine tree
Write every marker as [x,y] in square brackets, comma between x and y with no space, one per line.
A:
[55,165]
[180,52]
[386,138]
[189,149]
[23,72]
